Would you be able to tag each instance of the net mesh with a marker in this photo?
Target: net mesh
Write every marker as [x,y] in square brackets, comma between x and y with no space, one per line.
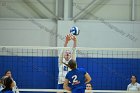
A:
[37,67]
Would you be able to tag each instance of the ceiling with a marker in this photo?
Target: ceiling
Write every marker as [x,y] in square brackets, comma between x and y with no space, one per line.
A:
[76,9]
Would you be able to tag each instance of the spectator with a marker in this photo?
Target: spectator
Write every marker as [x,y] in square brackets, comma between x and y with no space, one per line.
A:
[89,87]
[134,85]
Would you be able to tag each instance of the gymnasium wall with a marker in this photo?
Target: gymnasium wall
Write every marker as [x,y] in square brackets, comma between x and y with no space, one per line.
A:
[27,32]
[103,34]
[97,34]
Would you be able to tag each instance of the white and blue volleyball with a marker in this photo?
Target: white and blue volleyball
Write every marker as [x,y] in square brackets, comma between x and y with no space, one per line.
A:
[74,30]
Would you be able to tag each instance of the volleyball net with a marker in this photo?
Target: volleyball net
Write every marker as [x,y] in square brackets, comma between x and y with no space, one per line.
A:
[35,67]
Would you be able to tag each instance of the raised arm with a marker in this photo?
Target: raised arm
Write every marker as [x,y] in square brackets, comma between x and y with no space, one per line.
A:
[68,38]
[60,59]
[73,37]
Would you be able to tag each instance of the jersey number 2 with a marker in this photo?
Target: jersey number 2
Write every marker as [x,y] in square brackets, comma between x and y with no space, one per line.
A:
[74,77]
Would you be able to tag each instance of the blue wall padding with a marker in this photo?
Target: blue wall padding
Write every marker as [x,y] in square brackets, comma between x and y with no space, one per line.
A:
[42,72]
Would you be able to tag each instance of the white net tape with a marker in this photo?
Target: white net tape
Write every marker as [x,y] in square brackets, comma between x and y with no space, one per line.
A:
[78,48]
[87,91]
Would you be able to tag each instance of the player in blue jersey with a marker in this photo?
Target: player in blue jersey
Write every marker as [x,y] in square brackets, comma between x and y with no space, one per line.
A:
[77,77]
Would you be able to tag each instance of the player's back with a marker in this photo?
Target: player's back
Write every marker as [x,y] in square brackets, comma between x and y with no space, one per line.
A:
[76,78]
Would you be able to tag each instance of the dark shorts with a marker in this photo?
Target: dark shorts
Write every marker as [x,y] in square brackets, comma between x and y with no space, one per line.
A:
[78,90]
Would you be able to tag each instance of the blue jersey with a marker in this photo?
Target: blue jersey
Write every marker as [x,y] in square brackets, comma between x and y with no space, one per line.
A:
[76,78]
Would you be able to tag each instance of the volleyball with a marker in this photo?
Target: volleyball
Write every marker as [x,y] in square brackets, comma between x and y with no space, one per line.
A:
[74,30]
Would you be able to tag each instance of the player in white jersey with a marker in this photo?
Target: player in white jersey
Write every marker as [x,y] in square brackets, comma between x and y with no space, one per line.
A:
[64,58]
[134,85]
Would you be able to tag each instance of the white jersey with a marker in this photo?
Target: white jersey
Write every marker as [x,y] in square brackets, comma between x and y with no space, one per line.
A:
[133,87]
[63,69]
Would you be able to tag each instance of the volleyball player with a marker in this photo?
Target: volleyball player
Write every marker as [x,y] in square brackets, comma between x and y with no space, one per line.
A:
[8,85]
[77,77]
[64,58]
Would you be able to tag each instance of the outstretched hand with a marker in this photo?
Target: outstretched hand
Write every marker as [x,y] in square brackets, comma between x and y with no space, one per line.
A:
[73,37]
[68,37]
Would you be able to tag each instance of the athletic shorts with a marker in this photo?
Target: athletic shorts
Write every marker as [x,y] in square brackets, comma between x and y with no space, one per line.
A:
[82,90]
